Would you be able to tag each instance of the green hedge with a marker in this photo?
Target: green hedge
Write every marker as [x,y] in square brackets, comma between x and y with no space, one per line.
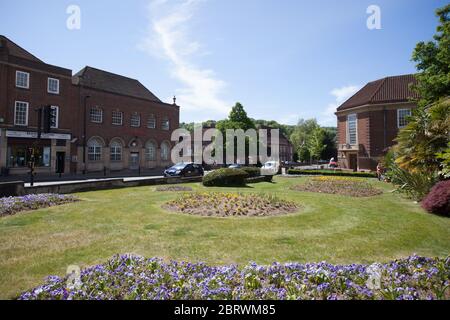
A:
[260,179]
[226,178]
[252,171]
[332,173]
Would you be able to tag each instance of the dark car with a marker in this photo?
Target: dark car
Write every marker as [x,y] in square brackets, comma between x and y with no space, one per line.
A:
[184,170]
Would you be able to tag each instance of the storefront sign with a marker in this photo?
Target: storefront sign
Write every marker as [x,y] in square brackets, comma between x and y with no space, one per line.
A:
[33,135]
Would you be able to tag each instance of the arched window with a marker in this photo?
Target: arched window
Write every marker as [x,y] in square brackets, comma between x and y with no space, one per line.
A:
[150,151]
[165,151]
[116,151]
[94,150]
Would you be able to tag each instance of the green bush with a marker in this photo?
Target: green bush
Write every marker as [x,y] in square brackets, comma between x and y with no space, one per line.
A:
[332,173]
[226,178]
[415,185]
[252,171]
[260,179]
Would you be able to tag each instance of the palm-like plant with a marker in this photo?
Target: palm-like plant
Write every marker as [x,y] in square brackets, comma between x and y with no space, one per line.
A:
[426,135]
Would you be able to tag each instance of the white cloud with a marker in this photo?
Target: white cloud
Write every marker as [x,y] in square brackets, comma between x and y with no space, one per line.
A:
[168,37]
[328,117]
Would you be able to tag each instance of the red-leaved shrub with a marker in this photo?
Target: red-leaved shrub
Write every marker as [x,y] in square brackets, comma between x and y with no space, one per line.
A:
[438,200]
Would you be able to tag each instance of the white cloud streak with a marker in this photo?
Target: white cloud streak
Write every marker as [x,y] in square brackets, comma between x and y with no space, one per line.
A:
[168,37]
[341,95]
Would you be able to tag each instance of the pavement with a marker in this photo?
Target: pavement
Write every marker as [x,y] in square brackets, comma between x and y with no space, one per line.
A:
[71,178]
[52,183]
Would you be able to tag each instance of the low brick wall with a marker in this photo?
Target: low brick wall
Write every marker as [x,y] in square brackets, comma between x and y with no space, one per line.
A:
[12,189]
[106,185]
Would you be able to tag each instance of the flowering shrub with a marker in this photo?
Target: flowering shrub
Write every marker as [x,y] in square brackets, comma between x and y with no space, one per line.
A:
[12,205]
[230,204]
[131,277]
[345,186]
[438,200]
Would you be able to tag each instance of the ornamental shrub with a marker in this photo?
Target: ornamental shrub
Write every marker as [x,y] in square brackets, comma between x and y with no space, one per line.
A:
[438,200]
[226,178]
[252,171]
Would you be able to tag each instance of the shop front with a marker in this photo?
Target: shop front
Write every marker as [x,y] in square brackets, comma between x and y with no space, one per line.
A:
[49,153]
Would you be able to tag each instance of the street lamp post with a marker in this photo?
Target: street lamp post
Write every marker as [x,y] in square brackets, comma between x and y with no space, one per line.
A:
[84,133]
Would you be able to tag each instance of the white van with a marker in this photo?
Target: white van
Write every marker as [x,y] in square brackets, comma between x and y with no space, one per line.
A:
[270,168]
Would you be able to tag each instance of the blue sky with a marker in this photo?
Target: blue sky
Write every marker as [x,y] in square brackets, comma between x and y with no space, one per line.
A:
[282,59]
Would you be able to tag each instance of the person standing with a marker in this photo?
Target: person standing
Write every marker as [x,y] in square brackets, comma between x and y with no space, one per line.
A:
[379,171]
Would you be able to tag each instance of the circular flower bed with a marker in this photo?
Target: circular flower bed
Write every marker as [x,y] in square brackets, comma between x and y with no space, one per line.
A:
[132,278]
[353,187]
[173,189]
[230,205]
[12,205]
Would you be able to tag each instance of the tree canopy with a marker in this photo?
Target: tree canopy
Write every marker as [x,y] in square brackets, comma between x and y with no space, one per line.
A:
[433,62]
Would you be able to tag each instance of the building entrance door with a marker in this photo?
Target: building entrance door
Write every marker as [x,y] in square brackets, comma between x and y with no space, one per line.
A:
[353,162]
[60,162]
[134,160]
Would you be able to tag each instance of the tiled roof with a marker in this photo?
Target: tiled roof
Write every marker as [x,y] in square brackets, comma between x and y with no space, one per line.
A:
[388,90]
[114,83]
[17,51]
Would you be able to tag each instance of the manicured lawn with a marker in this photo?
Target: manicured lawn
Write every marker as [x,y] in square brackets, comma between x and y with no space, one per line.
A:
[337,229]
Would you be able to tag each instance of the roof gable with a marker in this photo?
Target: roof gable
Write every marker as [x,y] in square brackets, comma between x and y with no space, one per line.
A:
[395,89]
[17,51]
[114,83]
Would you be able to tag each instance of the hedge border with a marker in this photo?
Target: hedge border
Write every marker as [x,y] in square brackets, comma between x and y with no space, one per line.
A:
[331,173]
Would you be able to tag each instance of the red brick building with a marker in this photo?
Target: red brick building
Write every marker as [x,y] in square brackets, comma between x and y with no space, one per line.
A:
[369,121]
[104,121]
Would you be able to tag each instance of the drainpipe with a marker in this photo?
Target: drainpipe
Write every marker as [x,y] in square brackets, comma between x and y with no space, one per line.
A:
[84,133]
[384,128]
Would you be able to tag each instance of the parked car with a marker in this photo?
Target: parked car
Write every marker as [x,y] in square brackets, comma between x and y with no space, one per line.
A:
[184,170]
[235,166]
[271,168]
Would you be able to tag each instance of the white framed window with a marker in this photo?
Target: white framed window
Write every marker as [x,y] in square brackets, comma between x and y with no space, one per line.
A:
[117,118]
[150,151]
[165,125]
[55,117]
[94,150]
[21,113]
[402,117]
[151,122]
[135,120]
[22,79]
[53,86]
[165,151]
[96,115]
[116,151]
[352,129]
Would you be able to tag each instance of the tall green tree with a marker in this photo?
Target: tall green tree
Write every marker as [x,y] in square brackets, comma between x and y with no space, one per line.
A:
[300,137]
[428,130]
[418,155]
[316,144]
[237,119]
[330,140]
[433,62]
[238,116]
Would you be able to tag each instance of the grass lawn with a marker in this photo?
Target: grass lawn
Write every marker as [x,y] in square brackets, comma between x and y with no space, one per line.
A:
[337,229]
